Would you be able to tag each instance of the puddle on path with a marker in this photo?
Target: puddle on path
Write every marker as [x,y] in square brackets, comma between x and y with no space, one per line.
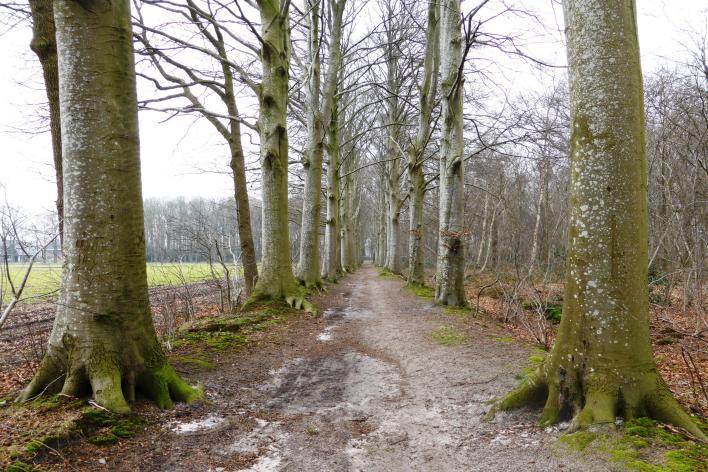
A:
[208,423]
[326,335]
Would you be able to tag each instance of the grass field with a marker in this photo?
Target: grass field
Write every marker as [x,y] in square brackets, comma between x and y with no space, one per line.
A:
[44,279]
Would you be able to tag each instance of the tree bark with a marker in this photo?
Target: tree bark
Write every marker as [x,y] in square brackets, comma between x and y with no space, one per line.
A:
[312,202]
[381,234]
[276,279]
[103,337]
[332,264]
[416,255]
[451,257]
[44,45]
[238,170]
[601,365]
[393,171]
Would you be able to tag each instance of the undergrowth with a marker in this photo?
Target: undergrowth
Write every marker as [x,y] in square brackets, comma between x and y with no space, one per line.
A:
[194,345]
[642,445]
[50,423]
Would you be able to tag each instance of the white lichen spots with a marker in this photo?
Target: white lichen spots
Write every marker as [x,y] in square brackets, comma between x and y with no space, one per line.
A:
[592,284]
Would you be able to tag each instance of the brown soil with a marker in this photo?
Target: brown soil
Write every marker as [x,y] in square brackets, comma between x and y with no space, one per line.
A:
[366,387]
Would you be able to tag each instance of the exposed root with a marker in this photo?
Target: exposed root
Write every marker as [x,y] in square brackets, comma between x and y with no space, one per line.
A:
[112,384]
[602,400]
[295,298]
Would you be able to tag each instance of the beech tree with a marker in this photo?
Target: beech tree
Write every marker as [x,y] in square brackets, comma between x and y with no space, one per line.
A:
[318,115]
[103,335]
[451,257]
[44,45]
[416,176]
[601,365]
[276,279]
[178,78]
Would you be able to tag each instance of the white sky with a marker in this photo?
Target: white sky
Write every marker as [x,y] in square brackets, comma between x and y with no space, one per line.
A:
[173,152]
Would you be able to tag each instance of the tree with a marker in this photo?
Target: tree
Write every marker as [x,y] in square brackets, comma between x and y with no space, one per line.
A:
[317,116]
[44,45]
[276,279]
[416,176]
[332,266]
[103,334]
[195,85]
[601,365]
[451,257]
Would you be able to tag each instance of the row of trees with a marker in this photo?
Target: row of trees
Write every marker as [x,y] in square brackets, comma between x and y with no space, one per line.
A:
[385,121]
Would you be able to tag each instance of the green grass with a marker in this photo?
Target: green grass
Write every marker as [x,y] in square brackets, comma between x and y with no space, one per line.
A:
[422,291]
[458,311]
[448,336]
[44,278]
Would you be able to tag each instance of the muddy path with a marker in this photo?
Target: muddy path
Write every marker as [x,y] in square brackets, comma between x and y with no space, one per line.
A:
[364,387]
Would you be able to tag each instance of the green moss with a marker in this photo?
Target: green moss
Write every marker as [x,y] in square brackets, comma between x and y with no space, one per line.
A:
[503,340]
[312,430]
[422,291]
[22,467]
[216,341]
[686,460]
[552,311]
[537,359]
[101,427]
[458,311]
[197,360]
[535,362]
[640,448]
[45,403]
[384,273]
[36,445]
[448,336]
[579,441]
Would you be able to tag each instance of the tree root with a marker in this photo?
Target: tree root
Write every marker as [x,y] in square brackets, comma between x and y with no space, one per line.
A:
[113,386]
[296,298]
[599,404]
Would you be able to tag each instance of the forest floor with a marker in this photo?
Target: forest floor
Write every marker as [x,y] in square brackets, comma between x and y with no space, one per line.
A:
[382,380]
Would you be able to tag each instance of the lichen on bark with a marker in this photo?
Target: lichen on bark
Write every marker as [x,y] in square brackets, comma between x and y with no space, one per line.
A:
[601,365]
[103,339]
[449,288]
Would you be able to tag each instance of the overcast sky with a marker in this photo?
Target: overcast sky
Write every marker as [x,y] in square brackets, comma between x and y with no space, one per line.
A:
[173,152]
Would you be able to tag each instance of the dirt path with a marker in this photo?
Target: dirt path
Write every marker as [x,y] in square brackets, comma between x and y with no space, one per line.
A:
[363,388]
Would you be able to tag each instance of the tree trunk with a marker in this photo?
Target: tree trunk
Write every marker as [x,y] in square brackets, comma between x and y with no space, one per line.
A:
[312,162]
[350,215]
[451,257]
[416,255]
[601,365]
[238,170]
[332,265]
[276,279]
[312,202]
[483,233]
[44,45]
[243,211]
[393,171]
[103,337]
[381,234]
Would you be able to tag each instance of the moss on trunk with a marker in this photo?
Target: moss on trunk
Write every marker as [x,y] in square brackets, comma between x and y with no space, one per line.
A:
[276,279]
[601,365]
[103,339]
[449,289]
